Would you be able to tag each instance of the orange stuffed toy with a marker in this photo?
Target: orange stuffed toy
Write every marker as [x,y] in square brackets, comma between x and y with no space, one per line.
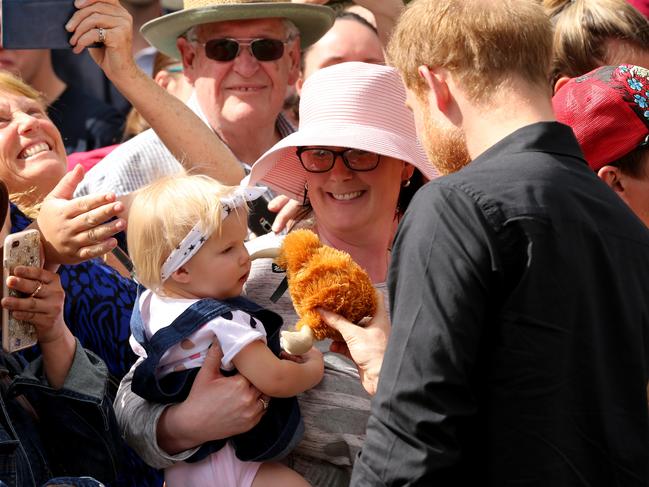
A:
[321,277]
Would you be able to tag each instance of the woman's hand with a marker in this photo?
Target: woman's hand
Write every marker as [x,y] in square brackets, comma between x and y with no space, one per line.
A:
[286,209]
[115,57]
[73,230]
[365,345]
[217,407]
[43,307]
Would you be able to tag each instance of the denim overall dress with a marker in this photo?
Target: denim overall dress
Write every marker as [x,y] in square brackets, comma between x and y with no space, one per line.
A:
[281,427]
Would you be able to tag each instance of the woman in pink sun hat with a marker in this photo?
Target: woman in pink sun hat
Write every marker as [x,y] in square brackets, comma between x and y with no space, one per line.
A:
[350,163]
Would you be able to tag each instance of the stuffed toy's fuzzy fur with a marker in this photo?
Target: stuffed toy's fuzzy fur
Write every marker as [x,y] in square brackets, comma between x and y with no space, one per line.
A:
[322,277]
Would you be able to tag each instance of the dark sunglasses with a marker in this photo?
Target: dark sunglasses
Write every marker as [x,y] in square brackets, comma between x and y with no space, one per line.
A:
[317,159]
[224,50]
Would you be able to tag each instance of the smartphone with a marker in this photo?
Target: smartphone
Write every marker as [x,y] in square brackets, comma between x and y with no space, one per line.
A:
[21,248]
[36,24]
[260,218]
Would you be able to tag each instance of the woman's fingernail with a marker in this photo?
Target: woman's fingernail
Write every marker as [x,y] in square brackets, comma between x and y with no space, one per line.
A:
[79,3]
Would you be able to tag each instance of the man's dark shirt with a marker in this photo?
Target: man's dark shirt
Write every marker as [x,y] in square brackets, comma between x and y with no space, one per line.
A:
[519,354]
[85,122]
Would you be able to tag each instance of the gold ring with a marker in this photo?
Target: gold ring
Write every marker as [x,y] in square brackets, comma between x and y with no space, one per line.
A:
[101,33]
[37,290]
[264,403]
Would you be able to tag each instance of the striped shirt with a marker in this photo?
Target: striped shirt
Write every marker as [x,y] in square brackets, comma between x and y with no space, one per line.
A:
[143,159]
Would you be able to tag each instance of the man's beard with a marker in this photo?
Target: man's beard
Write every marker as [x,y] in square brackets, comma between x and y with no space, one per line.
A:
[446,147]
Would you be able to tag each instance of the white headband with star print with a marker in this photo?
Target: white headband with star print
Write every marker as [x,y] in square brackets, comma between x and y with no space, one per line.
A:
[195,239]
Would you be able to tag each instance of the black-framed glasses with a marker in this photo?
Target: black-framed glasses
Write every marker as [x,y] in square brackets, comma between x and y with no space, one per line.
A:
[226,49]
[318,159]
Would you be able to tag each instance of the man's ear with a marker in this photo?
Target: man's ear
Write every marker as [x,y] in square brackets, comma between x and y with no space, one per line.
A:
[560,83]
[188,57]
[612,176]
[438,93]
[294,55]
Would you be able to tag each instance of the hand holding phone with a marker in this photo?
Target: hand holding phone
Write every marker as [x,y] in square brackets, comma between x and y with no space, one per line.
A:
[21,248]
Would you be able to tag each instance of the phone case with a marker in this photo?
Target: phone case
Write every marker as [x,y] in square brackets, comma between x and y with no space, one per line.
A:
[36,24]
[21,248]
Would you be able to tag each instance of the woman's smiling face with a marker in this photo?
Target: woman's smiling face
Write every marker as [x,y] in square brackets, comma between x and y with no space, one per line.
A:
[32,151]
[344,200]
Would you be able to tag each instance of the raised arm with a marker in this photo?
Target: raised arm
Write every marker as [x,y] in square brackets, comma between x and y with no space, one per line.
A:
[192,142]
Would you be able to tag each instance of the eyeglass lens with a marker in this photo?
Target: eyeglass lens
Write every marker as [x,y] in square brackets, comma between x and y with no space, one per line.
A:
[228,49]
[322,160]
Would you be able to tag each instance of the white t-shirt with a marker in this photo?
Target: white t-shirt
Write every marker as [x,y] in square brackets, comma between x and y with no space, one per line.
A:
[233,330]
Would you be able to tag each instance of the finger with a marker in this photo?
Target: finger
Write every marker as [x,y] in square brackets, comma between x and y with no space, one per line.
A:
[68,183]
[337,322]
[33,274]
[94,208]
[341,348]
[97,250]
[90,9]
[277,203]
[285,215]
[101,233]
[211,368]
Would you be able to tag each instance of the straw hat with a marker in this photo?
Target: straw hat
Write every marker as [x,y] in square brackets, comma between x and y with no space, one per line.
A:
[311,20]
[355,105]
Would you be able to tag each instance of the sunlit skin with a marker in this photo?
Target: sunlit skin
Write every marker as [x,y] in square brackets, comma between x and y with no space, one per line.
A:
[244,88]
[219,269]
[348,40]
[32,150]
[350,202]
[23,62]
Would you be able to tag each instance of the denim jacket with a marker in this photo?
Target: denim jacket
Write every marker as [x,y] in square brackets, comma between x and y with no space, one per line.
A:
[66,432]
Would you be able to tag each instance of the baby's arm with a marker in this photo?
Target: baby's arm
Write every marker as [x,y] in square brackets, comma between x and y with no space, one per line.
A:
[276,377]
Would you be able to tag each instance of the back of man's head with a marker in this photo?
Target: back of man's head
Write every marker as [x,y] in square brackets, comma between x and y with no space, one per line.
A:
[482,43]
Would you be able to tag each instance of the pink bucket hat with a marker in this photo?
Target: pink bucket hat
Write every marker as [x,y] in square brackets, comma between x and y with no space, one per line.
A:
[354,105]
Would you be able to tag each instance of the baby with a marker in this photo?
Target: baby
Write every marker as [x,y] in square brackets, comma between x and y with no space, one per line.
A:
[186,238]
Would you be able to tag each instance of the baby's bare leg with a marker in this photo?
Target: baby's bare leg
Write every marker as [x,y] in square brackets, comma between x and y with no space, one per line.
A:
[271,474]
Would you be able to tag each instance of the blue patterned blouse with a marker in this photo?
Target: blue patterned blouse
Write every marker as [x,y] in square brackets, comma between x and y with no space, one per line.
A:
[98,306]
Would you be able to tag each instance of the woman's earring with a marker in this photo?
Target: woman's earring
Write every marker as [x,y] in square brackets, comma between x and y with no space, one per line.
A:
[305,197]
[405,183]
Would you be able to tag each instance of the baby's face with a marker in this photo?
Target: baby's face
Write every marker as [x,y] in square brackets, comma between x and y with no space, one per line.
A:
[220,268]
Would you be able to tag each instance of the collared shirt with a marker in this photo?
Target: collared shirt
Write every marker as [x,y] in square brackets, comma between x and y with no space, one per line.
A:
[143,159]
[520,329]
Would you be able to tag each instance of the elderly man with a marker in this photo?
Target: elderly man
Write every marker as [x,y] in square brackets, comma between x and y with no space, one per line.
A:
[520,336]
[240,56]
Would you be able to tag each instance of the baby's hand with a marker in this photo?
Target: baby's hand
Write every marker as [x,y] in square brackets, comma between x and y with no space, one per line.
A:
[309,355]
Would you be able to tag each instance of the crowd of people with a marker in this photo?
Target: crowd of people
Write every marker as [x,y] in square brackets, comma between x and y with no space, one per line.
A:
[487,165]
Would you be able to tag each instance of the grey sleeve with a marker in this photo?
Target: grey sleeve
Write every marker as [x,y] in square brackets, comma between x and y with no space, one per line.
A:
[439,276]
[138,422]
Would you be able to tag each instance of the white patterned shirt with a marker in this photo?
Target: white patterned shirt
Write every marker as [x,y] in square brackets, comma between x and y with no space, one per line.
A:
[143,159]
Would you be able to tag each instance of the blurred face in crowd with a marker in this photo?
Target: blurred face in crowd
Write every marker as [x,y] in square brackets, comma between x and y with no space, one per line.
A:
[344,200]
[32,151]
[445,144]
[347,40]
[243,89]
[25,63]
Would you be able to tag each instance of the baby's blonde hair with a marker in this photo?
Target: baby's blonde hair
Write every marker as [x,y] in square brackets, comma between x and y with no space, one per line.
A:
[163,213]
